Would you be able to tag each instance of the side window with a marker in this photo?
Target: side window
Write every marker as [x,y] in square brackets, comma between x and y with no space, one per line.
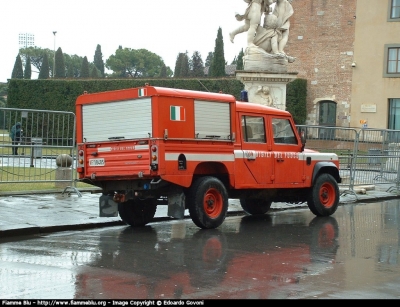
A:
[283,132]
[253,129]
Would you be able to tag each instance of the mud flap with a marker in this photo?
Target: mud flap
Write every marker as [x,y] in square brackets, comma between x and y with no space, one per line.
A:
[176,205]
[107,207]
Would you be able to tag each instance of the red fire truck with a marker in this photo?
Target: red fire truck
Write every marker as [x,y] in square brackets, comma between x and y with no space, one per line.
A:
[195,150]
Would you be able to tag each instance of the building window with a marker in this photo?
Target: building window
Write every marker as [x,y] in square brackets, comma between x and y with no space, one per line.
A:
[394,114]
[327,117]
[394,10]
[392,61]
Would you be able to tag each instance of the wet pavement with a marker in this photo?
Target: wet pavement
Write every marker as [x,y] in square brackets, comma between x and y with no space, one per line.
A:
[34,213]
[286,254]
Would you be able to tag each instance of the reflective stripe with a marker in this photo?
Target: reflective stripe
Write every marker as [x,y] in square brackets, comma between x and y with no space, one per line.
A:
[200,157]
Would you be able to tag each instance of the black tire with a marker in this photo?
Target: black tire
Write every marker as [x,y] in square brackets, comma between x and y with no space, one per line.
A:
[208,202]
[324,196]
[137,212]
[255,206]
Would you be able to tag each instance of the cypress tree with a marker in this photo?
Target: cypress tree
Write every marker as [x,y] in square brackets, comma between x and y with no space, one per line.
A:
[94,74]
[239,62]
[209,59]
[85,68]
[44,69]
[70,71]
[178,65]
[184,65]
[98,61]
[218,63]
[197,65]
[163,72]
[208,63]
[17,72]
[60,64]
[28,68]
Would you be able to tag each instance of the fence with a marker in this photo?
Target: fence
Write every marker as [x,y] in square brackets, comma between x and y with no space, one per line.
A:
[367,156]
[43,155]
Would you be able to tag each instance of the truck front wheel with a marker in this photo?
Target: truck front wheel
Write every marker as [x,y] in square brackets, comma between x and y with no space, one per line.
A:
[324,196]
[137,212]
[208,202]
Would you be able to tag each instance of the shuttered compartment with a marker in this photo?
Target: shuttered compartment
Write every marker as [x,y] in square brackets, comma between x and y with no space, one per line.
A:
[117,120]
[212,120]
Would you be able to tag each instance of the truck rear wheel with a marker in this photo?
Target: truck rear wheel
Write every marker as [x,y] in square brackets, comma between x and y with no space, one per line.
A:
[208,202]
[137,212]
[324,196]
[255,206]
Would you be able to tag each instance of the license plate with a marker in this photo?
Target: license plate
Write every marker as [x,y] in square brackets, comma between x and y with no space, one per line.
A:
[97,162]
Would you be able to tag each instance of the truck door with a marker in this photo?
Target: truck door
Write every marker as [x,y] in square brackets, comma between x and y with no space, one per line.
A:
[257,159]
[286,149]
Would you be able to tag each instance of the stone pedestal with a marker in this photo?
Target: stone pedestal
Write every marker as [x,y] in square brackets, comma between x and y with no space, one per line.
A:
[63,171]
[255,83]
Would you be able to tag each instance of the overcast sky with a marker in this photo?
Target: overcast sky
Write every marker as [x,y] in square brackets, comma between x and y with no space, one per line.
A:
[162,27]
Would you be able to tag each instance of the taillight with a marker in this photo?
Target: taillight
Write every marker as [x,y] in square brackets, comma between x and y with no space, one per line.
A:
[81,161]
[154,158]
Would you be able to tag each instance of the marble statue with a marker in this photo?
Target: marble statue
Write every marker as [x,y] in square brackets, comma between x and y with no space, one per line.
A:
[266,43]
[252,18]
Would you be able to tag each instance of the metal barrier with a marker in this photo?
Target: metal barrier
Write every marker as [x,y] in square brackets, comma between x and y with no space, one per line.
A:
[45,150]
[367,156]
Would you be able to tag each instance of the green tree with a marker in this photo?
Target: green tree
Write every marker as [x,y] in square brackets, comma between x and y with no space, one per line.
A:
[74,63]
[36,55]
[239,62]
[60,64]
[197,66]
[28,69]
[44,71]
[98,60]
[178,65]
[3,94]
[209,59]
[17,72]
[70,71]
[85,68]
[218,62]
[135,63]
[184,65]
[94,74]
[163,72]
[208,62]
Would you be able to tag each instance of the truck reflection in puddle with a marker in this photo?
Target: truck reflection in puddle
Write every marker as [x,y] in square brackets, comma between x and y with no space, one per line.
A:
[251,257]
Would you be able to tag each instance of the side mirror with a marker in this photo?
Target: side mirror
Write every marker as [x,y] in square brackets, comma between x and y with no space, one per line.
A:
[303,139]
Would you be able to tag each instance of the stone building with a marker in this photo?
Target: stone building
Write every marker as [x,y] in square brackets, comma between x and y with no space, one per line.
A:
[349,53]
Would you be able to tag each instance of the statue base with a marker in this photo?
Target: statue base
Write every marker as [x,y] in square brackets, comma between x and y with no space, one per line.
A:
[257,59]
[255,83]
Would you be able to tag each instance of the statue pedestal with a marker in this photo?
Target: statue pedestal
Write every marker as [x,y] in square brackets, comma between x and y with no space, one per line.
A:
[255,81]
